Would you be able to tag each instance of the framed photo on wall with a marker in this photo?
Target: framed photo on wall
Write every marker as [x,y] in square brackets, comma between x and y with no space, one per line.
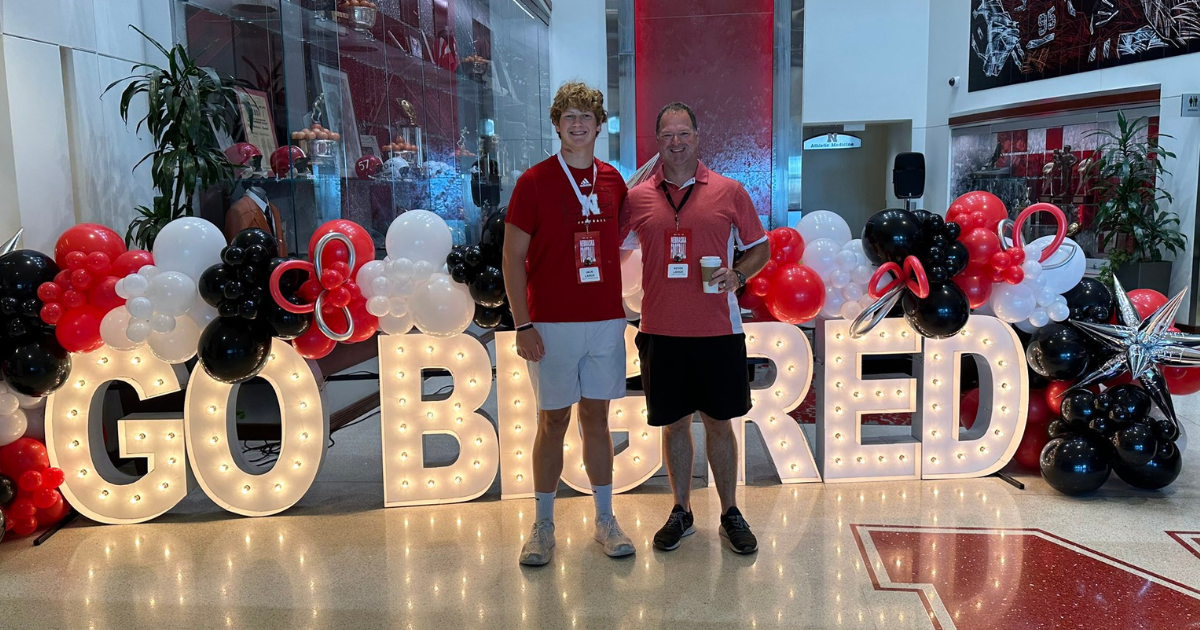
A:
[370,145]
[339,110]
[261,130]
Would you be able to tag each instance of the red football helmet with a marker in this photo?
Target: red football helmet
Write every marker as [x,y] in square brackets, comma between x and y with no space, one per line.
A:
[284,158]
[368,166]
[242,153]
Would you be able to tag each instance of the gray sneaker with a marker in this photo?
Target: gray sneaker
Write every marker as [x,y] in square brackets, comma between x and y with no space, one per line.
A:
[539,549]
[616,543]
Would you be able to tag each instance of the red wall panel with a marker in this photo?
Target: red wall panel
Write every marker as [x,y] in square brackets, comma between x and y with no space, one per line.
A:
[717,56]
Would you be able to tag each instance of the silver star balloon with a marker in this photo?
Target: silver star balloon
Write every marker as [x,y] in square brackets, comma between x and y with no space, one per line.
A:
[1143,346]
[11,244]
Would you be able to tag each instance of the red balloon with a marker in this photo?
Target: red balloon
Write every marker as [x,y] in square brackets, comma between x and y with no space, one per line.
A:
[1127,378]
[981,244]
[750,301]
[81,279]
[787,246]
[25,526]
[364,247]
[331,278]
[1017,255]
[977,288]
[762,314]
[1146,301]
[29,480]
[309,291]
[769,270]
[49,292]
[1014,275]
[365,324]
[985,203]
[1182,381]
[104,295]
[1029,451]
[53,477]
[21,455]
[1054,394]
[79,329]
[74,260]
[968,409]
[44,498]
[98,263]
[63,278]
[797,294]
[88,238]
[1039,410]
[130,262]
[759,286]
[339,296]
[55,513]
[73,299]
[313,344]
[1000,260]
[51,312]
[23,507]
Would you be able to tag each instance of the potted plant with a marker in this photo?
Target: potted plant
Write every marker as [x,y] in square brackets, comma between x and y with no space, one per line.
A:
[189,106]
[1127,170]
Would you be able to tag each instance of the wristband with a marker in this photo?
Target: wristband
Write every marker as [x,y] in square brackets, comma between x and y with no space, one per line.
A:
[525,326]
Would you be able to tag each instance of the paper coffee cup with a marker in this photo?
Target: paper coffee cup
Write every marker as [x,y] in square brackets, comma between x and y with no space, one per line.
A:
[708,266]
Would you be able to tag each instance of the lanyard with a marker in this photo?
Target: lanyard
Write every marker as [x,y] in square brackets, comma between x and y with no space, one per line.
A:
[682,202]
[588,203]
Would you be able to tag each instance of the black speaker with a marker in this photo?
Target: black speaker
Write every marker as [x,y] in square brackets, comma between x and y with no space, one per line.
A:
[908,175]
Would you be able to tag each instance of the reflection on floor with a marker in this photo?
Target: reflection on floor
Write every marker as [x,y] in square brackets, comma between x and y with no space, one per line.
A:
[935,554]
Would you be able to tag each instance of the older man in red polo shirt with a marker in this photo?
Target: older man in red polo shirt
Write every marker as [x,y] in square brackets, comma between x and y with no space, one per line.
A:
[691,344]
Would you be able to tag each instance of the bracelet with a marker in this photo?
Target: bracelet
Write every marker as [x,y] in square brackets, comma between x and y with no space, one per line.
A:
[525,326]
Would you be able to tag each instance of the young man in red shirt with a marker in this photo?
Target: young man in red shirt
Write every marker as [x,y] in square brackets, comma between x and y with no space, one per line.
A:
[691,345]
[562,271]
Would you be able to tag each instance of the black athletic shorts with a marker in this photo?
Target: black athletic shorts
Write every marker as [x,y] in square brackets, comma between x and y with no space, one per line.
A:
[683,375]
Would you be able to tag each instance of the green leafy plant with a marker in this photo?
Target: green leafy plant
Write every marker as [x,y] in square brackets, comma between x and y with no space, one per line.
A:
[1128,168]
[188,107]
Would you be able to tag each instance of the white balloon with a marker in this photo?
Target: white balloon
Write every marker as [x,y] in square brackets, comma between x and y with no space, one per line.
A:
[148,272]
[1032,269]
[140,308]
[422,271]
[162,323]
[1046,297]
[1012,303]
[405,289]
[398,305]
[631,273]
[380,286]
[8,404]
[1023,325]
[1065,277]
[419,235]
[854,292]
[172,293]
[112,329]
[396,324]
[12,427]
[138,330]
[202,313]
[862,274]
[1039,318]
[442,307]
[839,278]
[134,285]
[1059,311]
[833,302]
[851,309]
[400,269]
[367,273]
[179,345]
[824,224]
[119,289]
[821,256]
[30,402]
[846,259]
[188,245]
[378,306]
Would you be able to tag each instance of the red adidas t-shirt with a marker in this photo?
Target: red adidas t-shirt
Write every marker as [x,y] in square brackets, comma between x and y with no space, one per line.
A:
[544,206]
[720,217]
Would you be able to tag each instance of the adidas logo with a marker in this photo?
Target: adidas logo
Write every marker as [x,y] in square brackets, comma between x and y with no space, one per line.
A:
[585,183]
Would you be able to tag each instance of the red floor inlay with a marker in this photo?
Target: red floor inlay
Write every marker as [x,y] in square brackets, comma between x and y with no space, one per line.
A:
[972,579]
[1189,540]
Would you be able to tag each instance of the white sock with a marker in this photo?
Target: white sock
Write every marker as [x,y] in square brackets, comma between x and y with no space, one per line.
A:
[545,505]
[603,497]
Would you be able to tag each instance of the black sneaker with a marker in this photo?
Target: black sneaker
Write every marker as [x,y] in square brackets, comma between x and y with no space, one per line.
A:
[735,531]
[679,524]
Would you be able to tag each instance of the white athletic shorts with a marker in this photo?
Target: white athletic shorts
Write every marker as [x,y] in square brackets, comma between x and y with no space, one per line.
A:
[583,359]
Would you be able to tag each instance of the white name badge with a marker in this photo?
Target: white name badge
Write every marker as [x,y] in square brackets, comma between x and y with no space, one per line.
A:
[589,274]
[677,270]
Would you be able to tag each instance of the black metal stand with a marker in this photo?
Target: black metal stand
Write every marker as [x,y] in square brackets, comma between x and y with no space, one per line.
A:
[54,528]
[1010,480]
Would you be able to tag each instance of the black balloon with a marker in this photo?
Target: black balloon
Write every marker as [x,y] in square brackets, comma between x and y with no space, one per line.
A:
[486,317]
[942,314]
[1078,407]
[473,256]
[23,271]
[890,235]
[487,289]
[1058,428]
[492,238]
[1156,474]
[1135,444]
[8,490]
[1090,301]
[212,283]
[265,247]
[1058,352]
[286,325]
[234,350]
[1102,425]
[455,257]
[1128,401]
[956,257]
[460,273]
[1164,429]
[38,366]
[1074,464]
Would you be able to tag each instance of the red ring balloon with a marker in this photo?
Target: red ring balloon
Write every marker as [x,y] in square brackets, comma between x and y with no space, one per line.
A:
[1059,234]
[278,295]
[886,267]
[914,268]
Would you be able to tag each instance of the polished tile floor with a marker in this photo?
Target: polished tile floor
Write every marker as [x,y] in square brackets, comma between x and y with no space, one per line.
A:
[964,554]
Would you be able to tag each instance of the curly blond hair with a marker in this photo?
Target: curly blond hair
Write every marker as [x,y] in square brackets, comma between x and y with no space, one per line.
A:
[578,95]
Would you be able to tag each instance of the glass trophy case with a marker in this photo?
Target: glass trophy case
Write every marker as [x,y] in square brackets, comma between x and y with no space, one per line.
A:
[362,110]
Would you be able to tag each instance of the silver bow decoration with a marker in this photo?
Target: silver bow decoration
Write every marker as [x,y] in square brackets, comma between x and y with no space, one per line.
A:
[1143,345]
